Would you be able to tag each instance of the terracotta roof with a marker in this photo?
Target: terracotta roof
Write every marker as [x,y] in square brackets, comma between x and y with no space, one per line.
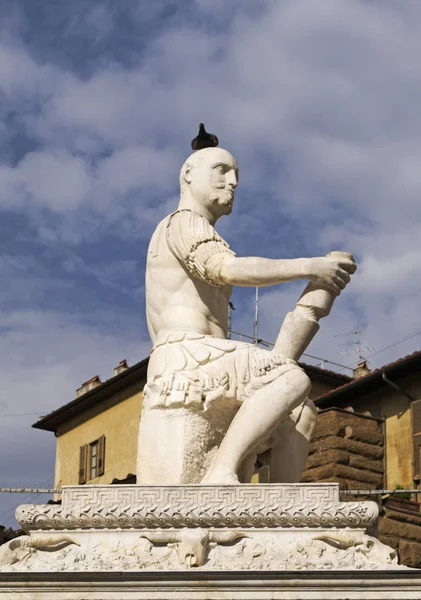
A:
[325,375]
[398,369]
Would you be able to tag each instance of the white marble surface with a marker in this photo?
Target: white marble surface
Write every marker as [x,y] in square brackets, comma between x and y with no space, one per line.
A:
[175,528]
[205,585]
[110,507]
[206,549]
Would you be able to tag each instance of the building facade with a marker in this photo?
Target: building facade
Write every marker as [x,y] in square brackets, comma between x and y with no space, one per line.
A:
[368,438]
[97,431]
[391,394]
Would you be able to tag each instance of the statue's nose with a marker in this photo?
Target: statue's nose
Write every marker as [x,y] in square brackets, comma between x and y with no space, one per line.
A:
[232,180]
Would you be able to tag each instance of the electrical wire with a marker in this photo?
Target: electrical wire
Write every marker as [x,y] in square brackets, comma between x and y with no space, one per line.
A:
[395,344]
[32,414]
[386,348]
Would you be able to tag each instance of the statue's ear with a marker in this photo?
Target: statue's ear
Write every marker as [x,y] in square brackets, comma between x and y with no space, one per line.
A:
[187,173]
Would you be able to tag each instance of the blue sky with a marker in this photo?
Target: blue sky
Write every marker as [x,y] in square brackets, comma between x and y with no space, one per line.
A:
[318,101]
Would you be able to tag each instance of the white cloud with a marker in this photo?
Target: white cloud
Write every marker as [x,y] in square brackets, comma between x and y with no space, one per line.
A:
[21,77]
[55,179]
[46,179]
[135,168]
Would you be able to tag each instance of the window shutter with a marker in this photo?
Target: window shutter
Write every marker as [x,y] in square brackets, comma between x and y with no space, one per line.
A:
[416,438]
[83,459]
[101,455]
[416,417]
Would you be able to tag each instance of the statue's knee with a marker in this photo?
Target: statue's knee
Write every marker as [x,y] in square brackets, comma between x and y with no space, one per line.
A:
[305,418]
[303,383]
[310,416]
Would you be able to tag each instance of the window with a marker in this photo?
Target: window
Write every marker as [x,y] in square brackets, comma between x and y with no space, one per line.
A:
[93,463]
[262,468]
[91,460]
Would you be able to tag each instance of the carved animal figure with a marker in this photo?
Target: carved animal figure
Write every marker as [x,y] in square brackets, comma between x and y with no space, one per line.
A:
[22,547]
[367,545]
[192,544]
[342,539]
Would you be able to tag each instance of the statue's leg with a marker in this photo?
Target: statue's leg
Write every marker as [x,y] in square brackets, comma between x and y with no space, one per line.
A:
[257,418]
[289,453]
[247,468]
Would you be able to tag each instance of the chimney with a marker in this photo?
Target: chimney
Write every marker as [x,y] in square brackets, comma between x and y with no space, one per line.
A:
[361,370]
[88,385]
[122,366]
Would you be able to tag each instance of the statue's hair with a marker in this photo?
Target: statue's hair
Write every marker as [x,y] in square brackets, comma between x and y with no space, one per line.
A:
[195,160]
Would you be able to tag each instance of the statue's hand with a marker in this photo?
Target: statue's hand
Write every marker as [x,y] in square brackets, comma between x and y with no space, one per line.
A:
[332,273]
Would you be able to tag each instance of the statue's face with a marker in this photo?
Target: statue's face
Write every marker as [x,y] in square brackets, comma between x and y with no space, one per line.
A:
[212,178]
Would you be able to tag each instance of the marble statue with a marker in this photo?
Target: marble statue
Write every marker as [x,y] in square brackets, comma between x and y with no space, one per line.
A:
[211,403]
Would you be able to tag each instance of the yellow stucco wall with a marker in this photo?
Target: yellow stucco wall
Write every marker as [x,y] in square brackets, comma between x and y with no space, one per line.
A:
[118,420]
[398,447]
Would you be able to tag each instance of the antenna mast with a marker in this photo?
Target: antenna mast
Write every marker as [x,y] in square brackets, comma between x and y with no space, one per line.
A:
[231,307]
[256,318]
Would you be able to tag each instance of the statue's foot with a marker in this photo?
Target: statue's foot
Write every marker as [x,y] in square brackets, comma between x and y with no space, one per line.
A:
[220,477]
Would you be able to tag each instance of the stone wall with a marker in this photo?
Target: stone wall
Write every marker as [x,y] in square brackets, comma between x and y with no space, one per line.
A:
[395,408]
[401,529]
[346,448]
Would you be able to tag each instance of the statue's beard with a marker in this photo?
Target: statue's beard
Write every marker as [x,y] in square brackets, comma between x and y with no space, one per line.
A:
[222,197]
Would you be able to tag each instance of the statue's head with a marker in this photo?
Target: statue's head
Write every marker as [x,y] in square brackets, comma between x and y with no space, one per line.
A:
[211,176]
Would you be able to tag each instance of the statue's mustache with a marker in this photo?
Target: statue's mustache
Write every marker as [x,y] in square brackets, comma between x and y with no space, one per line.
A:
[222,197]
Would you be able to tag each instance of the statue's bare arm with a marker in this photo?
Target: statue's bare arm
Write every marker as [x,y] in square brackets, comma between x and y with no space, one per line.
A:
[260,272]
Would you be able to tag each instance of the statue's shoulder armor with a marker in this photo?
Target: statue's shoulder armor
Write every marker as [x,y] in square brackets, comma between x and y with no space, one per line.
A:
[193,241]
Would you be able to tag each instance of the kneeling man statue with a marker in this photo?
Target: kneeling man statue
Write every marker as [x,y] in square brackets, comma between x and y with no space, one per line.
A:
[212,404]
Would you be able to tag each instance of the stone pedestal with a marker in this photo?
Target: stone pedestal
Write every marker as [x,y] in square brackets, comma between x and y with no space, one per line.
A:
[213,585]
[295,541]
[174,528]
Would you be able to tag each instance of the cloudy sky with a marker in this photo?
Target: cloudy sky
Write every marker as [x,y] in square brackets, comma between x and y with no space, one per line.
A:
[318,101]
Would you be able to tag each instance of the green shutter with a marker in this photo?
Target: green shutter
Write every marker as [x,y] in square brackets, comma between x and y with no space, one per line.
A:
[83,458]
[101,455]
[416,438]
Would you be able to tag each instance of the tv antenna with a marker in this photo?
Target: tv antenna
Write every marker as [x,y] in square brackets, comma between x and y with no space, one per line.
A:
[231,307]
[256,319]
[359,349]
